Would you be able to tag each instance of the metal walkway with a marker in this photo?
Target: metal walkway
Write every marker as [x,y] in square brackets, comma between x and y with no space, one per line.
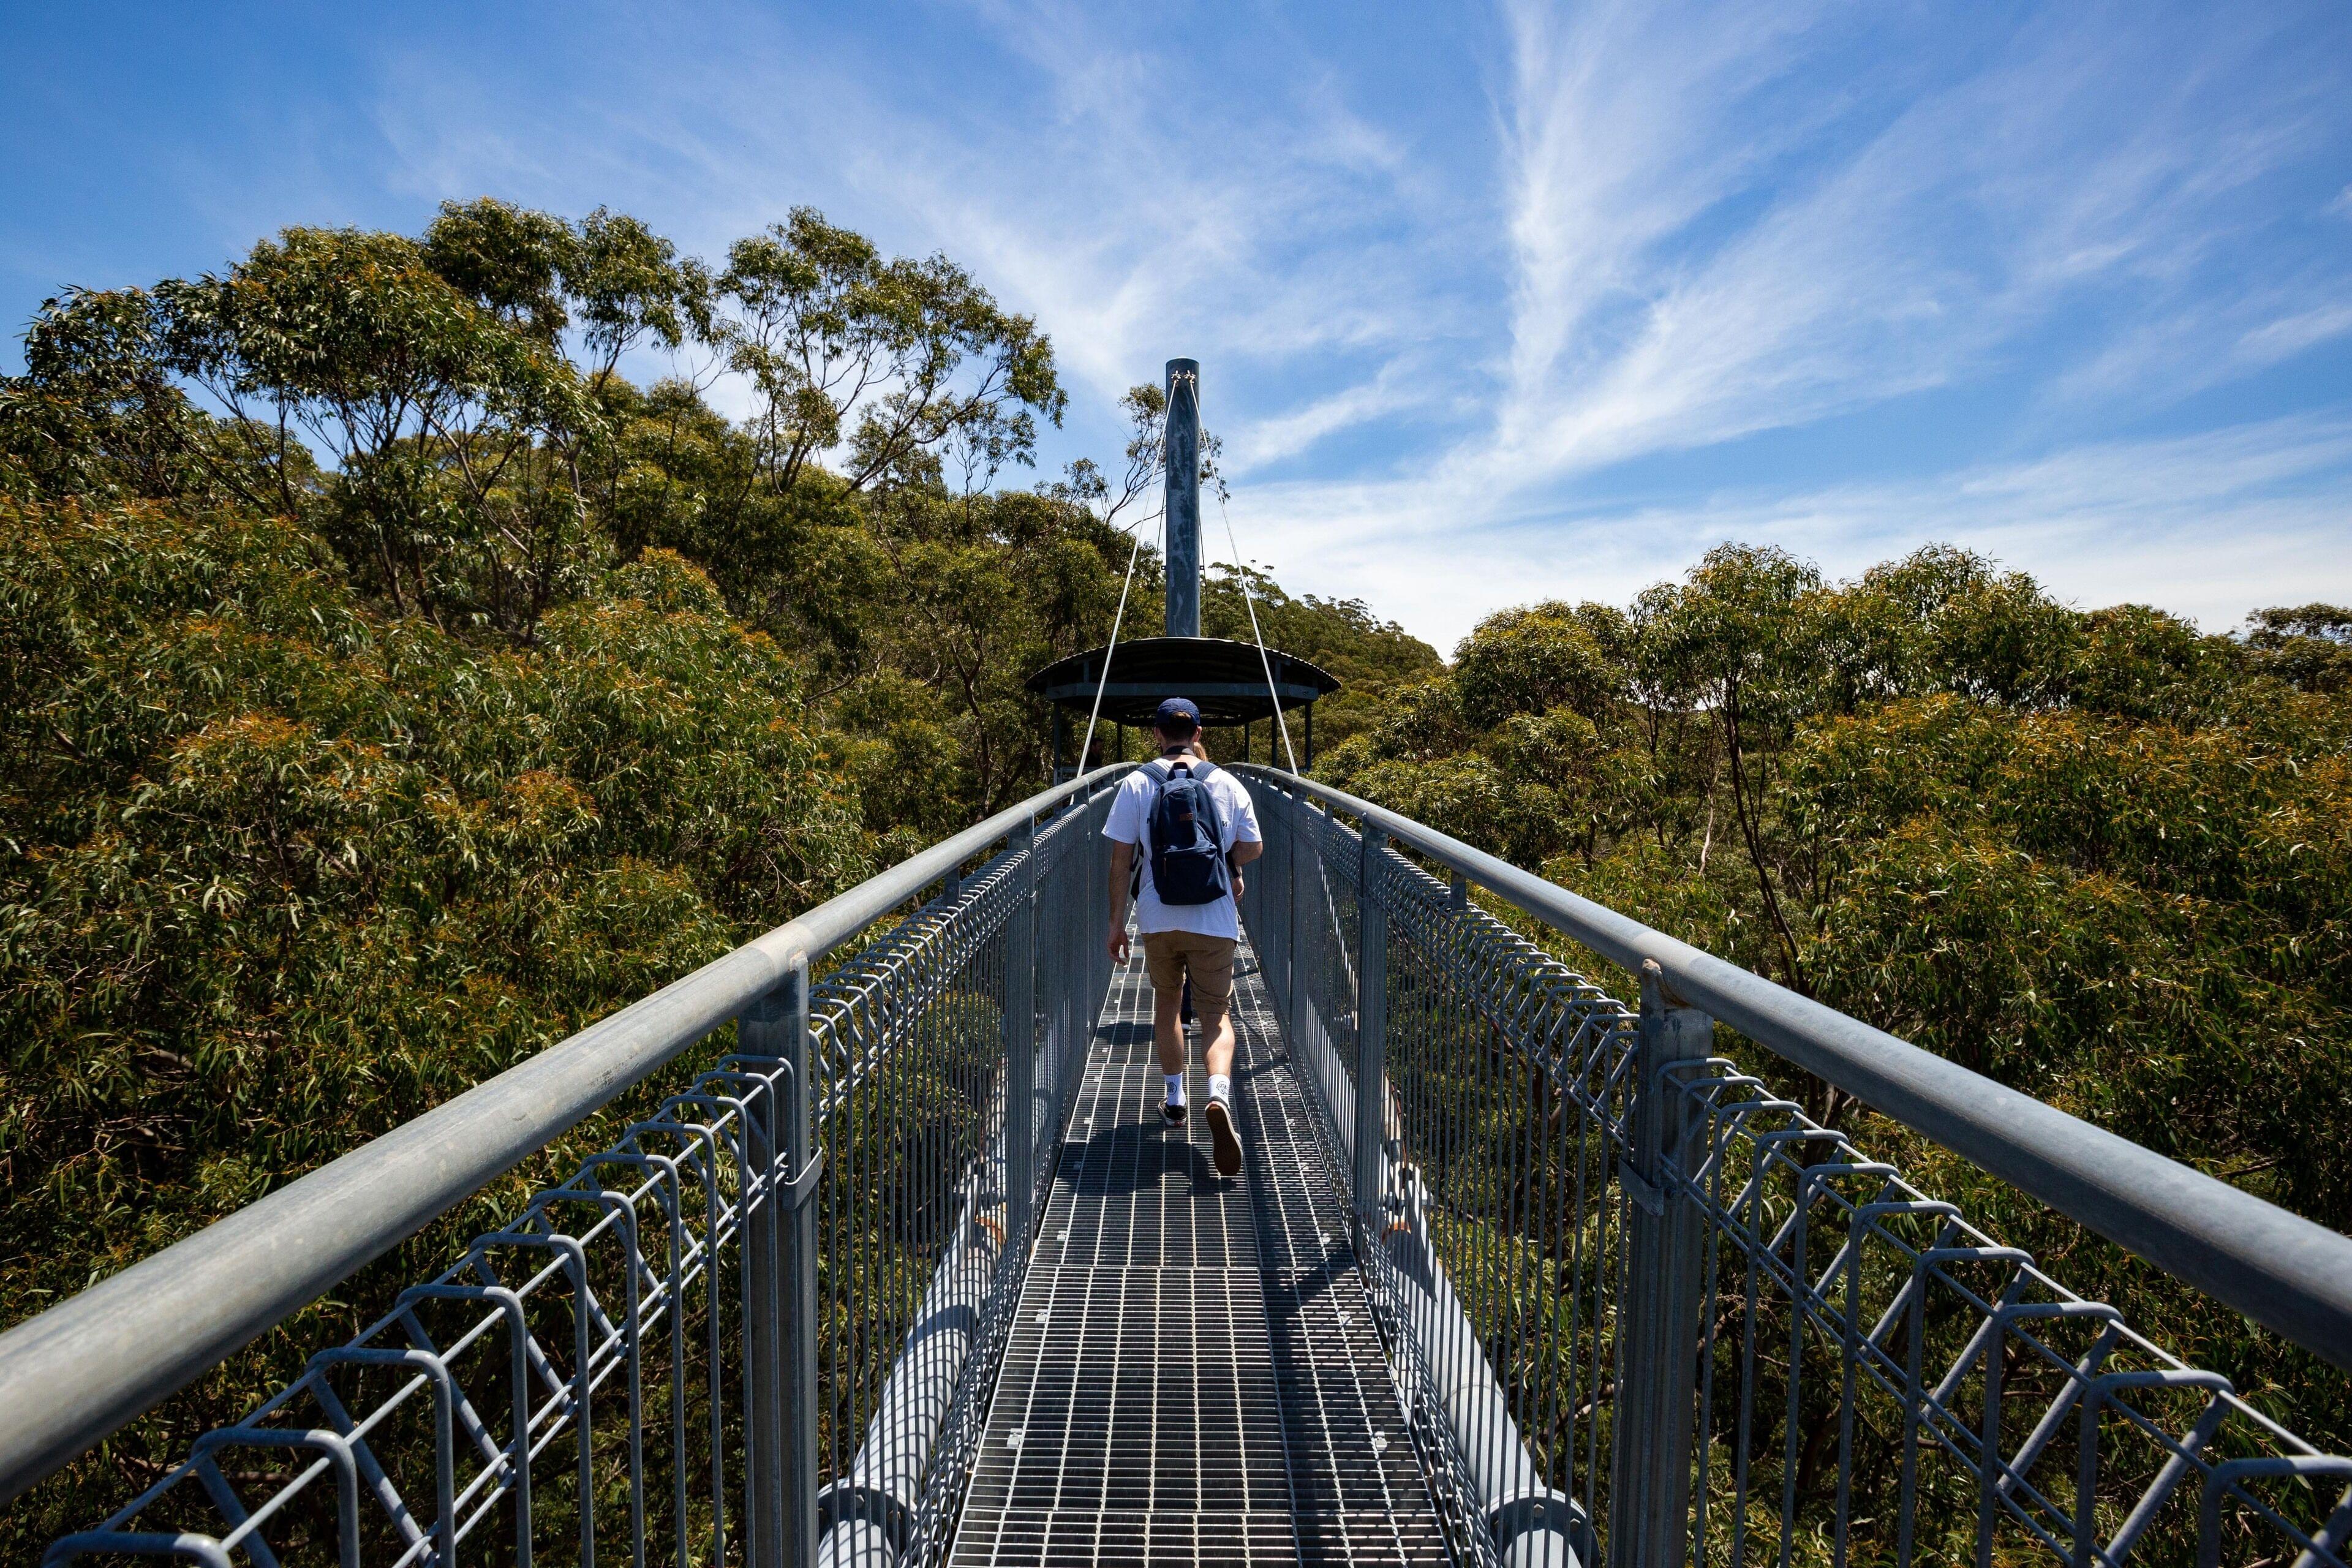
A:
[1194,1374]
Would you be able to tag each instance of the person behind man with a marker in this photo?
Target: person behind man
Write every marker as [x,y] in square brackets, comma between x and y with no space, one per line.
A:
[1185,828]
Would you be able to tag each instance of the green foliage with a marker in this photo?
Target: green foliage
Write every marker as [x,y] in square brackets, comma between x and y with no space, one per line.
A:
[389,686]
[1533,660]
[280,874]
[2097,856]
[1374,659]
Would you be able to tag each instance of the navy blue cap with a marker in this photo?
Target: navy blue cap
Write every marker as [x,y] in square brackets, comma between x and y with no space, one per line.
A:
[1177,708]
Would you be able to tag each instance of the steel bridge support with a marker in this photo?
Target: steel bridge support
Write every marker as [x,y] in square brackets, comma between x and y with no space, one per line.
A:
[1181,500]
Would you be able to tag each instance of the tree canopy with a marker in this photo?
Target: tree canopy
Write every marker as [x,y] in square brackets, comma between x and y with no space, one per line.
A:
[403,660]
[2097,855]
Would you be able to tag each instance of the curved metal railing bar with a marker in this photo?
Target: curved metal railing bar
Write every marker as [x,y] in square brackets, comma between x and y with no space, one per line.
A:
[1654,1314]
[2286,1273]
[76,1372]
[1744,1340]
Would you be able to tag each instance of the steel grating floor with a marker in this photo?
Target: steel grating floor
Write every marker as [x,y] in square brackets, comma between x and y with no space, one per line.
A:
[1193,1375]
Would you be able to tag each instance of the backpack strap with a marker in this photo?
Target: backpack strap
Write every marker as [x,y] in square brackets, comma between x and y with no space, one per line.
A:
[1198,770]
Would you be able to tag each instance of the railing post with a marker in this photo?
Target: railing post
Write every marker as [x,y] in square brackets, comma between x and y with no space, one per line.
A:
[1021,1045]
[782,1334]
[1658,1321]
[1096,854]
[760,1032]
[1295,982]
[796,1224]
[1372,1029]
[1283,913]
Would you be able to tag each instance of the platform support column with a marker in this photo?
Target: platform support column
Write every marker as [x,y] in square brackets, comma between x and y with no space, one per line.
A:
[1182,497]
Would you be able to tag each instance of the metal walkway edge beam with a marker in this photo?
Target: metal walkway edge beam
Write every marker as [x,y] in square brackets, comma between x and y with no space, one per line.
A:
[2285,1272]
[75,1374]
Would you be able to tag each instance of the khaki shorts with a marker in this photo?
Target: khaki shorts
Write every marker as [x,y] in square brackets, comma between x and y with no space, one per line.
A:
[1170,956]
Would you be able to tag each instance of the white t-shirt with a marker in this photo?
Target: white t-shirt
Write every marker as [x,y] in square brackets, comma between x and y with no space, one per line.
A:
[1131,823]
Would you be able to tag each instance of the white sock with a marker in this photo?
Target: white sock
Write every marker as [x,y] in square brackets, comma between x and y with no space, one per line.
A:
[1175,1087]
[1221,1086]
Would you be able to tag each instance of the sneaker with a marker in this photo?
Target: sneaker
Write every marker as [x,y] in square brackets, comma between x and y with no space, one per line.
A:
[1171,1113]
[1220,1117]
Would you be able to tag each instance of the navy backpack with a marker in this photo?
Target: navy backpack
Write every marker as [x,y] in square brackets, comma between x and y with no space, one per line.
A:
[1188,857]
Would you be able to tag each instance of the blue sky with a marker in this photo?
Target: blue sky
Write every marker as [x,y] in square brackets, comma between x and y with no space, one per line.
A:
[1493,304]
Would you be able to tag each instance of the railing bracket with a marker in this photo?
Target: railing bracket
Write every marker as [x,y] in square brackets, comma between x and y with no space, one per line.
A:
[1640,1189]
[802,1186]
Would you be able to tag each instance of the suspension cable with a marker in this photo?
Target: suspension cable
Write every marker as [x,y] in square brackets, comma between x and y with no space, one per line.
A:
[1104,678]
[1094,713]
[1264,662]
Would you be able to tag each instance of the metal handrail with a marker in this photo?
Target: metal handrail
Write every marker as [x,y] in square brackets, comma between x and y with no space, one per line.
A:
[82,1369]
[1665,1317]
[2290,1275]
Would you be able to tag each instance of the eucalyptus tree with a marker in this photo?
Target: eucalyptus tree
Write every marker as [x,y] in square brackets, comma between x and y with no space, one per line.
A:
[1142,461]
[2308,645]
[884,361]
[1738,640]
[102,411]
[596,289]
[455,439]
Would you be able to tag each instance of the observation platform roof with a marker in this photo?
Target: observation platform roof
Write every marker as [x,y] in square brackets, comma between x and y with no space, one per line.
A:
[1222,677]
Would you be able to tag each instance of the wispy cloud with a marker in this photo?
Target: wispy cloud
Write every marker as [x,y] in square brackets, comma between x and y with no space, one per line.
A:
[2210,525]
[1401,384]
[1623,129]
[2290,335]
[1250,234]
[1493,305]
[1084,176]
[1720,229]
[1695,267]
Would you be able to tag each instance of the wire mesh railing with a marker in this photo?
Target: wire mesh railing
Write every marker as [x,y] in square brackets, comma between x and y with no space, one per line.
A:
[756,1329]
[1649,1313]
[1642,1309]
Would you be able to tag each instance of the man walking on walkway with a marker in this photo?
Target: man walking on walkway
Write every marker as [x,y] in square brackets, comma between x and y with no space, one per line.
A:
[1180,831]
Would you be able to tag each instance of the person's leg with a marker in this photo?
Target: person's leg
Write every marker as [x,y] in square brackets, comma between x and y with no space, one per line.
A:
[1218,1058]
[1211,961]
[1163,956]
[1168,1028]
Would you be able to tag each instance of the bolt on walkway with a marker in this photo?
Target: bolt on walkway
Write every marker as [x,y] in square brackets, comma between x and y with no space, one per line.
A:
[1194,1374]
